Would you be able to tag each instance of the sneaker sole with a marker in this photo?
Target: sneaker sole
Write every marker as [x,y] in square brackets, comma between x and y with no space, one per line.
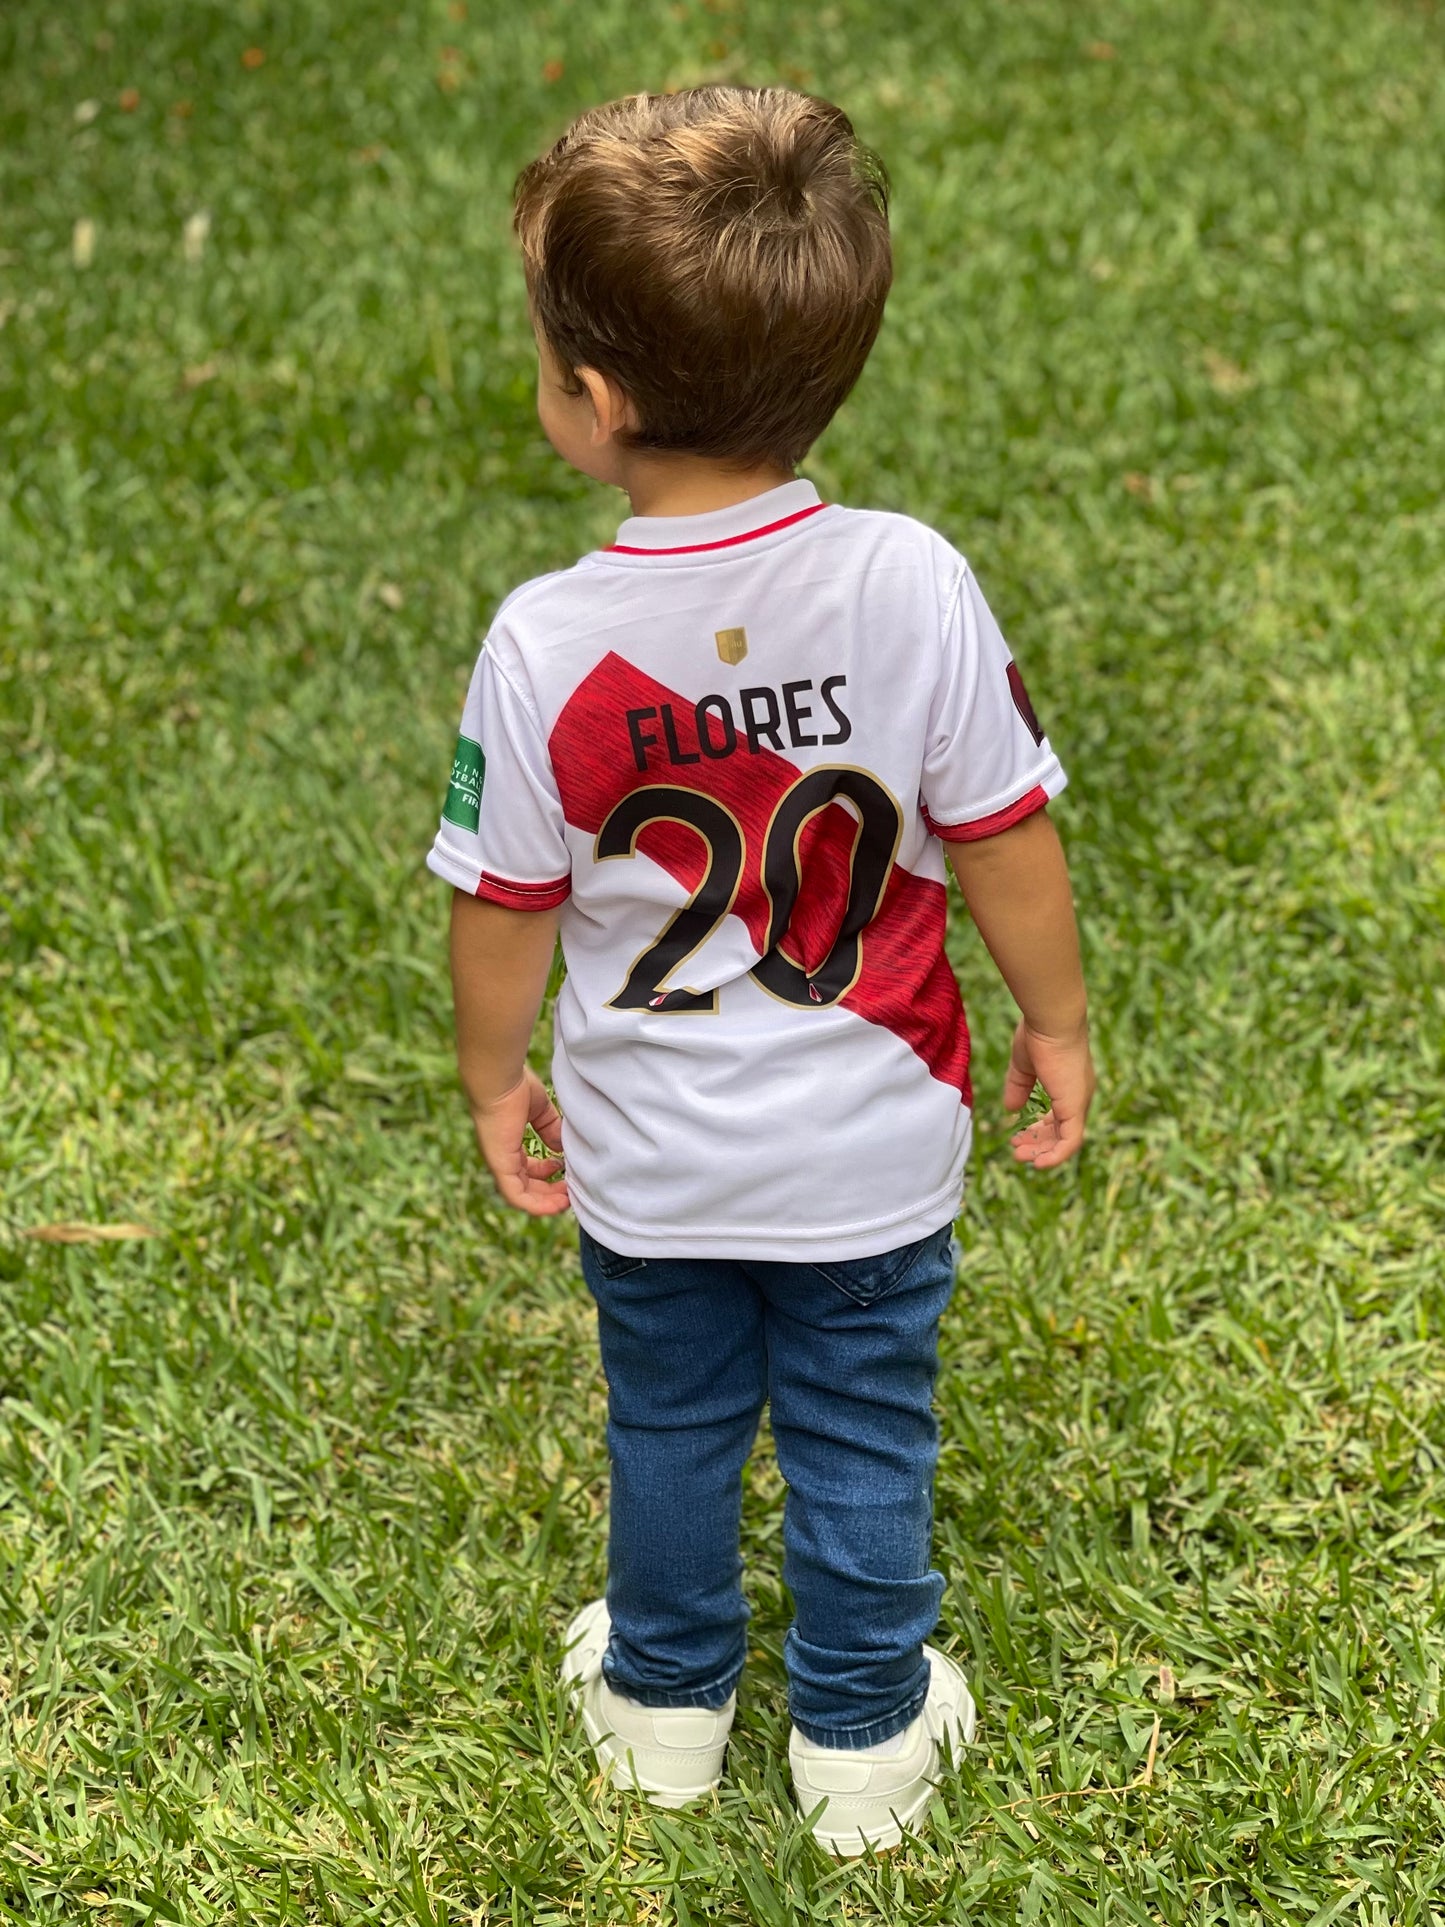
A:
[851,1843]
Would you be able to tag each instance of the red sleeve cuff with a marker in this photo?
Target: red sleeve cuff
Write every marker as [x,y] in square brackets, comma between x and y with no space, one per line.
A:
[523,896]
[983,826]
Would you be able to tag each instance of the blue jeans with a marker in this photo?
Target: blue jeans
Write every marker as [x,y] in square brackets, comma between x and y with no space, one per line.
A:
[846,1354]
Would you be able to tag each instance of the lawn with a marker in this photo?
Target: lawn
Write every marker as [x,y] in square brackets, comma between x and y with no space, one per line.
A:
[297,1493]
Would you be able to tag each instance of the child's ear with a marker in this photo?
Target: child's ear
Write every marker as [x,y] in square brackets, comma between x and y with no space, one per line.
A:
[612,409]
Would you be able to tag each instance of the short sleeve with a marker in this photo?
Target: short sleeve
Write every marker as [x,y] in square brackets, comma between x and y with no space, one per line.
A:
[988,764]
[502,833]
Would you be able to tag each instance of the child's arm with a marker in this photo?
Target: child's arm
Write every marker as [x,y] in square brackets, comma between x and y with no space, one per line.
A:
[1016,886]
[500,963]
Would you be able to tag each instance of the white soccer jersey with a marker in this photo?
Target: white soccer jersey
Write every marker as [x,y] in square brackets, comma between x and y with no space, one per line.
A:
[726,748]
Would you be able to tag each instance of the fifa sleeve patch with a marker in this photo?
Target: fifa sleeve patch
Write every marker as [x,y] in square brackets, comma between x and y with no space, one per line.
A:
[464,792]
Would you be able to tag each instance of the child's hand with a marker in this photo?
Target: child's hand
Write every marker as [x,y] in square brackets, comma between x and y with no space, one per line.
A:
[523,1181]
[1065,1068]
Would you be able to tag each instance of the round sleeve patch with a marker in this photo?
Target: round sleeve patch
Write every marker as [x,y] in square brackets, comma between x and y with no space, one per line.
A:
[464,792]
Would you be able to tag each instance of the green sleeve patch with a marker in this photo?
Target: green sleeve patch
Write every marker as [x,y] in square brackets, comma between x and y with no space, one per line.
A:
[464,793]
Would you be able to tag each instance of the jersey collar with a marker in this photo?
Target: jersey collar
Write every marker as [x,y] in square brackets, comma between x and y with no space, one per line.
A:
[720,530]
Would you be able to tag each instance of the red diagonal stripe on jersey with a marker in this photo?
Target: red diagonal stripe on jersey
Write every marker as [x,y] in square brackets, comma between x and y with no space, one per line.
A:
[905,983]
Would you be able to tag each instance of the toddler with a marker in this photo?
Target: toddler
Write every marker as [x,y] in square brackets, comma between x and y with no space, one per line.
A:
[724,757]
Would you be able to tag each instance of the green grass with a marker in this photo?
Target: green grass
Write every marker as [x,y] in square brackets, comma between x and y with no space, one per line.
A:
[296,1496]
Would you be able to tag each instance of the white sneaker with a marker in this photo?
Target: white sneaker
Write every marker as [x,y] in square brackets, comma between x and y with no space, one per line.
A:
[673,1754]
[874,1793]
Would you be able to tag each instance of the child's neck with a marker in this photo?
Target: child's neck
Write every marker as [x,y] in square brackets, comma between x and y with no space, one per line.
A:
[689,485]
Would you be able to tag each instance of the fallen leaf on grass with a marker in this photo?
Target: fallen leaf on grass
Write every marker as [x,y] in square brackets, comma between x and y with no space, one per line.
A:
[194,235]
[82,242]
[253,58]
[1226,377]
[86,111]
[129,99]
[552,71]
[87,1234]
[1101,50]
[391,594]
[203,371]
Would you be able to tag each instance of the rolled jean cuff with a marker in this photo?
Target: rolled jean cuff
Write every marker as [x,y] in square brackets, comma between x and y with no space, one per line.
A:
[849,1738]
[711,1698]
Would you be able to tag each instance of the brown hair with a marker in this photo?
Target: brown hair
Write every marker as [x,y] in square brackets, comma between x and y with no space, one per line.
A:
[721,253]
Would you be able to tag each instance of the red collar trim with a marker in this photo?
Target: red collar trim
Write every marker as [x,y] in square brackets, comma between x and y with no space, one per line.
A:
[727,541]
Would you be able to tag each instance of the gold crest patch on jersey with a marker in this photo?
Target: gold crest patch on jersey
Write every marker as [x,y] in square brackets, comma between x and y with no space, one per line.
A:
[732,645]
